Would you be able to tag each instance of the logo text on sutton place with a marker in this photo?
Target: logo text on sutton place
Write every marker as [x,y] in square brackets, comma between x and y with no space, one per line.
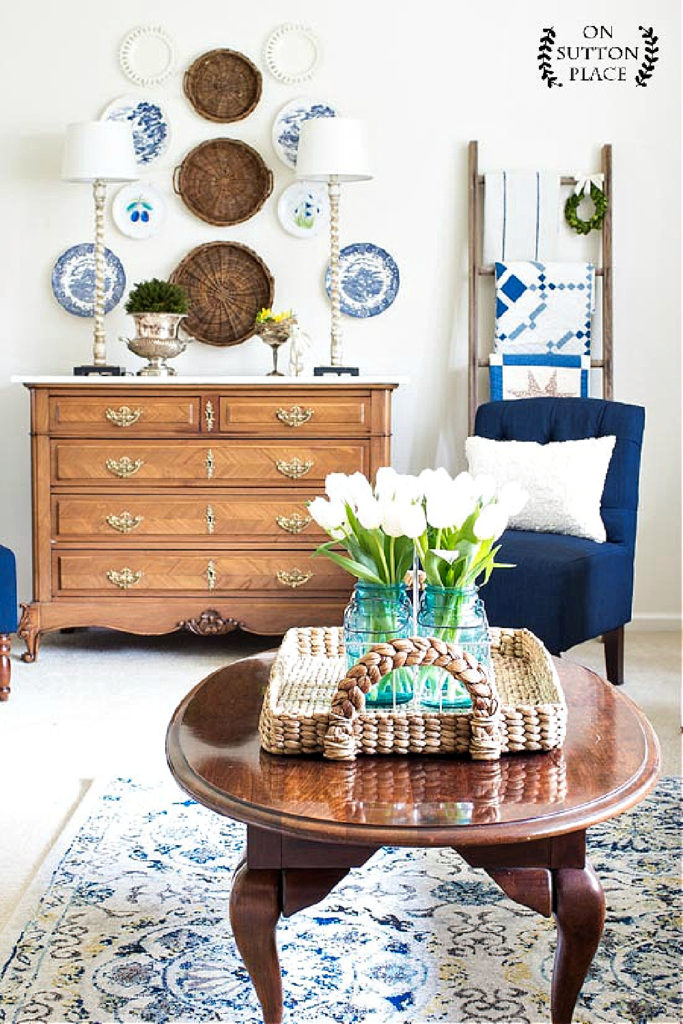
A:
[597,57]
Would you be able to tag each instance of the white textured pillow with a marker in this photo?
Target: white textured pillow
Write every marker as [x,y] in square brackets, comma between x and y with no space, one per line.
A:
[564,479]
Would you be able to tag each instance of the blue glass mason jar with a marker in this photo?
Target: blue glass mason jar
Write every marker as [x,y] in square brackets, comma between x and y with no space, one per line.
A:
[377,613]
[456,615]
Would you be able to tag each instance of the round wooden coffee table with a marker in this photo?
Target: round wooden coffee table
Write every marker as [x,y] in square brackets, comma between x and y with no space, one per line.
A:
[523,818]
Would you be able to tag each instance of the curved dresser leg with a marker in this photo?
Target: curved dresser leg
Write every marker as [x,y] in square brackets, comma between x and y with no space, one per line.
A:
[579,905]
[28,630]
[254,913]
[5,666]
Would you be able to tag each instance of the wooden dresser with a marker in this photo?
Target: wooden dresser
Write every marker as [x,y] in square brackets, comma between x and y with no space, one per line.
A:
[182,504]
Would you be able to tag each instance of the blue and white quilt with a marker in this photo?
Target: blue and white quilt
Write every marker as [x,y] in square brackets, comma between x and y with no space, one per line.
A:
[538,376]
[544,307]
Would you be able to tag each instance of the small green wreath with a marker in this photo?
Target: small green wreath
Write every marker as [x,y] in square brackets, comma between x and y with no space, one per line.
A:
[583,227]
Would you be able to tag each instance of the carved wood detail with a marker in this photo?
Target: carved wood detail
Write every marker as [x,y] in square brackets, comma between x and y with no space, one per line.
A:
[28,630]
[209,623]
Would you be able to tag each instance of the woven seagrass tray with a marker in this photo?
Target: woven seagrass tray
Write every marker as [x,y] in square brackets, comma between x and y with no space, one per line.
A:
[223,181]
[227,284]
[314,705]
[223,85]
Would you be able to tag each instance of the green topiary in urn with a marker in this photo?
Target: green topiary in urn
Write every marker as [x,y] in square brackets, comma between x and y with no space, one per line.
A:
[157,307]
[156,296]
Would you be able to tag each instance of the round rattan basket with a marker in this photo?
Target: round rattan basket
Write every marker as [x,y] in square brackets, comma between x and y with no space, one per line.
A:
[227,284]
[223,85]
[223,181]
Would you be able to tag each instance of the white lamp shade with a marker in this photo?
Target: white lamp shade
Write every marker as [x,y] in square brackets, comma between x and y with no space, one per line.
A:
[99,151]
[333,146]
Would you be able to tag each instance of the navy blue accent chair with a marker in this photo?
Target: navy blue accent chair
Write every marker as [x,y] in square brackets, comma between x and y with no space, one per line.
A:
[566,589]
[8,615]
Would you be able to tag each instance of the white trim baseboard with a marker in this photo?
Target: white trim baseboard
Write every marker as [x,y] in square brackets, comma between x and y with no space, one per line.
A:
[654,622]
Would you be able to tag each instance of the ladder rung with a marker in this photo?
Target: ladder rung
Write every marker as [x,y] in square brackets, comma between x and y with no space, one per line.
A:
[490,271]
[566,179]
[596,364]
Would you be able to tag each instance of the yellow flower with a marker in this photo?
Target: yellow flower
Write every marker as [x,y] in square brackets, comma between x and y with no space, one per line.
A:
[266,316]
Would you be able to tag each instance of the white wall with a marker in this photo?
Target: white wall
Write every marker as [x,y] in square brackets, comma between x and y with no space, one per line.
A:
[427,80]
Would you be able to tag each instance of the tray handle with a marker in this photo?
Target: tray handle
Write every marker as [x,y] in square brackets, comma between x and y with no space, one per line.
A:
[349,700]
[176,174]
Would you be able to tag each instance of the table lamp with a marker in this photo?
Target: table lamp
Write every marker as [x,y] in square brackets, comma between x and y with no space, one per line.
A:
[98,152]
[333,149]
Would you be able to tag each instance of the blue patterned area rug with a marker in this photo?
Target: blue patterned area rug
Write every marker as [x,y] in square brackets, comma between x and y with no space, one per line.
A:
[131,924]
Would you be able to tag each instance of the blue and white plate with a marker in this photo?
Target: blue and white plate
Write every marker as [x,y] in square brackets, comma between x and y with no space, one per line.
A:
[369,279]
[287,125]
[303,208]
[149,124]
[138,210]
[73,280]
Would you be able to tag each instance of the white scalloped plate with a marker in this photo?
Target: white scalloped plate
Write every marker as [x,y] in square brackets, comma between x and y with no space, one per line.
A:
[147,55]
[292,53]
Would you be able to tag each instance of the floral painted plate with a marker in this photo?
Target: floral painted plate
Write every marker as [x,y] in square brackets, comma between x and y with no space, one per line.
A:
[303,208]
[73,280]
[138,210]
[287,126]
[369,279]
[149,124]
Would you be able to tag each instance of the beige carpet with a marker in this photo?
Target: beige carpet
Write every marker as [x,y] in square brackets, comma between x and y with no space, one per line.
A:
[96,704]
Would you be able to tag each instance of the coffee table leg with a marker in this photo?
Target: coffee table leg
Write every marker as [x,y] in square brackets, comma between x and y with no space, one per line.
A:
[534,875]
[254,913]
[579,906]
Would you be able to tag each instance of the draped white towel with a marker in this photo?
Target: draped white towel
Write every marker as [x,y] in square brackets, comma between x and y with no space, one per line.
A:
[521,215]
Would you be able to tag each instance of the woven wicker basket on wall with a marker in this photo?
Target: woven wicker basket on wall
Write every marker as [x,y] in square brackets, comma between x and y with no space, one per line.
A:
[313,705]
[227,284]
[223,85]
[223,181]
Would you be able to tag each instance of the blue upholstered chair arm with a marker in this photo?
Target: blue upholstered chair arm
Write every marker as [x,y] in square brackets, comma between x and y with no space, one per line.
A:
[8,591]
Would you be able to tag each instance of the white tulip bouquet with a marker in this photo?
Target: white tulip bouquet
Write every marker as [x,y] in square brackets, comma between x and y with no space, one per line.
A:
[465,517]
[452,524]
[378,527]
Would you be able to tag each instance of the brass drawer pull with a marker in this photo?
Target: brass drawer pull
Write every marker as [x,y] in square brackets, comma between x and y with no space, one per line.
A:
[295,468]
[294,577]
[125,523]
[210,464]
[294,417]
[211,576]
[209,415]
[210,519]
[124,578]
[124,467]
[293,524]
[124,416]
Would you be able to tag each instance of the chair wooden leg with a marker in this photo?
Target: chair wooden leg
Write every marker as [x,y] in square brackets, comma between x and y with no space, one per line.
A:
[5,666]
[614,655]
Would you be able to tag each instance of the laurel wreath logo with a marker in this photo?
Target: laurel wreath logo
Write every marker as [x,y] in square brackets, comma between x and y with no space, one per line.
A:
[651,55]
[545,50]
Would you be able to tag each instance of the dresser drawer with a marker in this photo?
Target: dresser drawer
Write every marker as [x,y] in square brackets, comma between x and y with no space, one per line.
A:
[131,572]
[301,413]
[214,463]
[124,414]
[266,517]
